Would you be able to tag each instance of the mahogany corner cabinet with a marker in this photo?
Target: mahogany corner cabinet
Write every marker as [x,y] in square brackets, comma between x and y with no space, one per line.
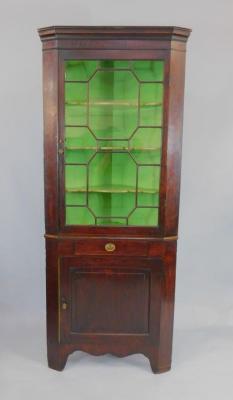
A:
[113,106]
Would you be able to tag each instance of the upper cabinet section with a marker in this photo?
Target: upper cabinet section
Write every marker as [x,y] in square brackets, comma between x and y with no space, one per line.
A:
[113,106]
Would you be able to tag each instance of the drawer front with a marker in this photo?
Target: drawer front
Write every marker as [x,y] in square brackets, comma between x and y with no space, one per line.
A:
[111,246]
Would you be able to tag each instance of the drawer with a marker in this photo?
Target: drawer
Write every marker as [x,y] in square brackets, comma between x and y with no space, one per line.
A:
[111,247]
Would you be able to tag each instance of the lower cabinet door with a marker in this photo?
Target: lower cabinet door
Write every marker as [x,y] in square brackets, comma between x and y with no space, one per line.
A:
[109,295]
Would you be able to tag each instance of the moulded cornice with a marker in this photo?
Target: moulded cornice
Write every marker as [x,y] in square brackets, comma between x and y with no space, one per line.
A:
[114,32]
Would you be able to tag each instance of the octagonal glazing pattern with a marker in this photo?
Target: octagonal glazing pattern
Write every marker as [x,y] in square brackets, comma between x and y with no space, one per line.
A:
[113,101]
[113,141]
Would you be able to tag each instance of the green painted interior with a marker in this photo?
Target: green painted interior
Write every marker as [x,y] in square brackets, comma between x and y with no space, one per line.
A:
[113,141]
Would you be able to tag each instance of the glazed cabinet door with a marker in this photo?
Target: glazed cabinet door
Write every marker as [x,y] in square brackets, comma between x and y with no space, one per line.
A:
[111,145]
[102,296]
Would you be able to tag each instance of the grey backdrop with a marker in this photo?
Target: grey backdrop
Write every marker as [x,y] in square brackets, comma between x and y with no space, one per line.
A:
[203,341]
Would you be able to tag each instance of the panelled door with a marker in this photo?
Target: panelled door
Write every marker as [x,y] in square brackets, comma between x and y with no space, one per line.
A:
[109,295]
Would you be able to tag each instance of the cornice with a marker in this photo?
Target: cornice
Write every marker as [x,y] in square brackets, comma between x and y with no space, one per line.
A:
[114,32]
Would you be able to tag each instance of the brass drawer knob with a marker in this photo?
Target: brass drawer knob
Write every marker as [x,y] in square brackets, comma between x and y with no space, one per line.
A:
[110,247]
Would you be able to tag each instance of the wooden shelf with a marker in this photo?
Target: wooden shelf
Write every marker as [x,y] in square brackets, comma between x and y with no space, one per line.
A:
[106,148]
[114,103]
[112,189]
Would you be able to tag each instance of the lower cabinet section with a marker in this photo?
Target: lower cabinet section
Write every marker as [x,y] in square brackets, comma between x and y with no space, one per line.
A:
[108,295]
[110,304]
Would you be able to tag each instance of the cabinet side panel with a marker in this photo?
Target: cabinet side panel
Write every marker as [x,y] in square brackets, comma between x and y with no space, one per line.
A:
[167,306]
[50,106]
[174,141]
[52,291]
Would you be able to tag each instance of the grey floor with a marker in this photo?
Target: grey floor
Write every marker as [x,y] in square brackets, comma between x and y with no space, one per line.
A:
[202,365]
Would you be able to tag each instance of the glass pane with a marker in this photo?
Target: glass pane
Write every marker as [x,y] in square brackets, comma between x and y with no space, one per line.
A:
[75,103]
[115,171]
[80,137]
[113,104]
[80,145]
[148,178]
[113,141]
[79,216]
[76,199]
[111,204]
[149,70]
[144,216]
[75,178]
[79,70]
[148,184]
[114,64]
[151,98]
[146,145]
[78,156]
[147,199]
[113,145]
[111,221]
